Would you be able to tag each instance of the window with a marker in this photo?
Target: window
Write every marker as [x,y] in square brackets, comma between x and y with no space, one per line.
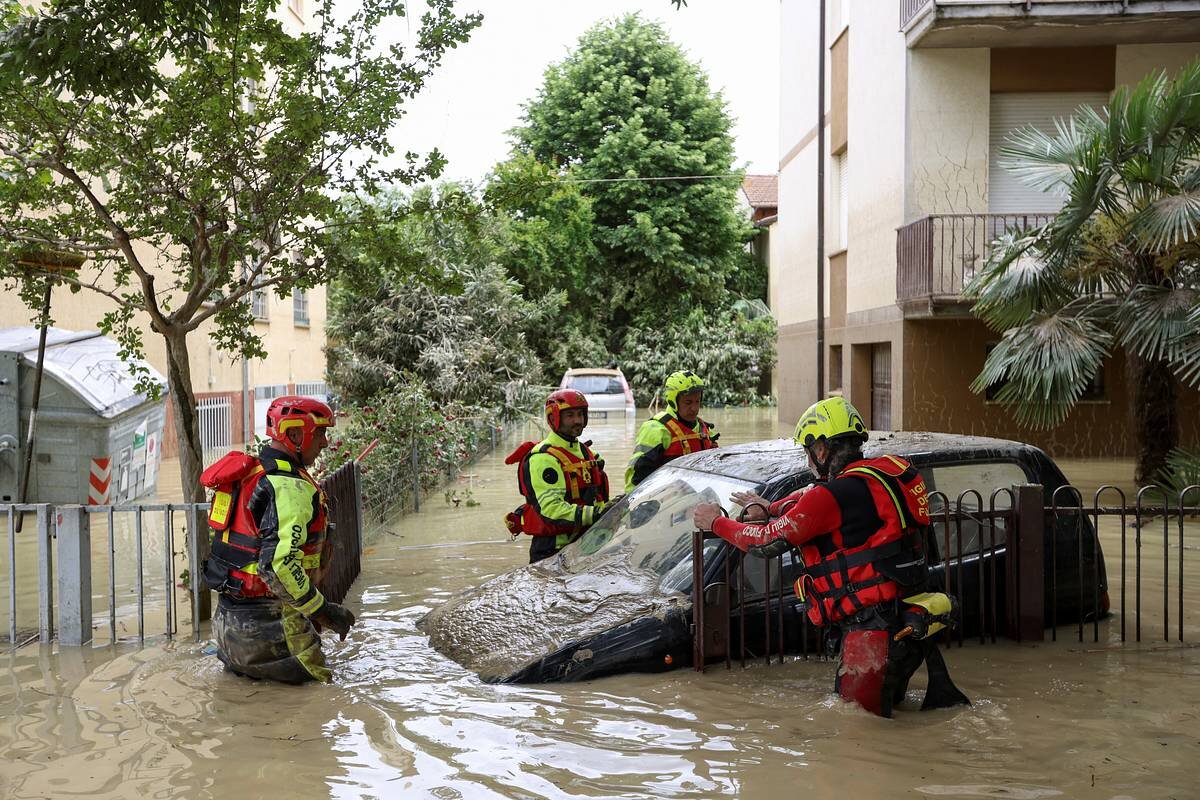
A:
[835,368]
[299,306]
[258,304]
[952,481]
[297,7]
[596,384]
[841,170]
[881,386]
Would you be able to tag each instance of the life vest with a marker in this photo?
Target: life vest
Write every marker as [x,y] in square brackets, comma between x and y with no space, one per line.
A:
[585,480]
[686,440]
[868,560]
[232,565]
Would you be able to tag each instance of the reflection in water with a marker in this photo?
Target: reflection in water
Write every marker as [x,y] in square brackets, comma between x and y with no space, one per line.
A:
[402,721]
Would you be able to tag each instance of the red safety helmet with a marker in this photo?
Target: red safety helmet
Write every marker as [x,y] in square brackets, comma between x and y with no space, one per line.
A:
[292,411]
[560,401]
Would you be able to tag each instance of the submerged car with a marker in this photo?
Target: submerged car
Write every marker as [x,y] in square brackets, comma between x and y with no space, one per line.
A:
[619,598]
[606,390]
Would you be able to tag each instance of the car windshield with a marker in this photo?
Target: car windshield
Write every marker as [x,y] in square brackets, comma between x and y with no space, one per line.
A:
[654,524]
[596,384]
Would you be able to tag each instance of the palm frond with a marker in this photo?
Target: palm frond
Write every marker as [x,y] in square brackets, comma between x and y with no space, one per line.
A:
[1153,320]
[1186,350]
[1169,221]
[1045,366]
[1047,161]
[1015,283]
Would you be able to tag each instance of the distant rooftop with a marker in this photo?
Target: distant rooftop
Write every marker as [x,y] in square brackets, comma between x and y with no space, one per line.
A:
[762,191]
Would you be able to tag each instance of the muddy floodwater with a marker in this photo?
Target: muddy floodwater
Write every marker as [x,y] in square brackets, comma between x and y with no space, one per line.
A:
[1049,720]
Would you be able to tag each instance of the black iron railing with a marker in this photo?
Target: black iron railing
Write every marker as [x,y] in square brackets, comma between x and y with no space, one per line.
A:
[937,255]
[1020,563]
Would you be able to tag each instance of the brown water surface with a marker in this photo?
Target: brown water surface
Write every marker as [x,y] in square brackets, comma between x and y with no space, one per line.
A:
[1048,720]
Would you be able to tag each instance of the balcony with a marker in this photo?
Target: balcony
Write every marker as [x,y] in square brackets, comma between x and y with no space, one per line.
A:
[937,255]
[1047,23]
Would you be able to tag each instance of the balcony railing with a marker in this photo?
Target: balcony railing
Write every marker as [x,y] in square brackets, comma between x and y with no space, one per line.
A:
[909,9]
[937,255]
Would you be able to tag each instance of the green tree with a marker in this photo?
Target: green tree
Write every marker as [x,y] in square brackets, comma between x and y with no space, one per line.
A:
[224,180]
[458,326]
[628,105]
[1117,267]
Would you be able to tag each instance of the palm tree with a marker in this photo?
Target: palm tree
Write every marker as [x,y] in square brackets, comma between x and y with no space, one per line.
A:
[1116,268]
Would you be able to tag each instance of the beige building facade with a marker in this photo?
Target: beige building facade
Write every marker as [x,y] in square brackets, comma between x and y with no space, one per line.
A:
[919,96]
[292,328]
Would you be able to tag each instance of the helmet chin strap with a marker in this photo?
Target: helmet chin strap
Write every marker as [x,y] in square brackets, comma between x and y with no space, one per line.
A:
[822,466]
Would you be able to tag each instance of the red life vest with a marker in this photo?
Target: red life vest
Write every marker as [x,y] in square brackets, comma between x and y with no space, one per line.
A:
[585,480]
[878,553]
[232,566]
[685,440]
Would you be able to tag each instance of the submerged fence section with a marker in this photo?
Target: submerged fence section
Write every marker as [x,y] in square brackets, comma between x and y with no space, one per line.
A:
[1023,564]
[125,571]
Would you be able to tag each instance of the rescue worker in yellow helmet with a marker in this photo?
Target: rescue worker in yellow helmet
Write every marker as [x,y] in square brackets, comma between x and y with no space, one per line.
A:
[561,478]
[673,433]
[861,533]
[269,526]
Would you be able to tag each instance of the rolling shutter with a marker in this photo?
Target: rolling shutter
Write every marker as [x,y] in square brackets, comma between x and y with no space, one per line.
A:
[1010,111]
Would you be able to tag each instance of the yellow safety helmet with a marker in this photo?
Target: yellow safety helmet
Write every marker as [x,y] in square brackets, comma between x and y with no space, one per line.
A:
[832,418]
[678,383]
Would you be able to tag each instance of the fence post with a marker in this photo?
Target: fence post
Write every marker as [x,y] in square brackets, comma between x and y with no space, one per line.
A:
[45,576]
[416,470]
[356,474]
[1025,567]
[74,575]
[196,525]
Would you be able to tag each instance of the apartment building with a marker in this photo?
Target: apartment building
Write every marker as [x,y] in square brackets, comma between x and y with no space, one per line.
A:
[292,329]
[920,94]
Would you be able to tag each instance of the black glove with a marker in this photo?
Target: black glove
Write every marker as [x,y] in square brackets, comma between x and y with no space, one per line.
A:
[335,618]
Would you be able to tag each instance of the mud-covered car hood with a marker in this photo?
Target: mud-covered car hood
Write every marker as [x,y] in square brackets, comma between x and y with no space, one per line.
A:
[526,614]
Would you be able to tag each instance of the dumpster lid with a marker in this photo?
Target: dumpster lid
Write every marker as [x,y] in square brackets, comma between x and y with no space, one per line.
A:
[86,362]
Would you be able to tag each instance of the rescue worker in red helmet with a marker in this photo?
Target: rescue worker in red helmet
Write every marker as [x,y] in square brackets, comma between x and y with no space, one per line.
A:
[861,536]
[561,478]
[268,523]
[673,433]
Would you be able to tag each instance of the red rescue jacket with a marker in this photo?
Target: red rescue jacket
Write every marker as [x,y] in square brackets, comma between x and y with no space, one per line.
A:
[232,566]
[586,484]
[686,440]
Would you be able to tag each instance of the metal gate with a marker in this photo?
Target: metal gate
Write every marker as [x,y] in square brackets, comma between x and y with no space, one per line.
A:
[1020,569]
[215,415]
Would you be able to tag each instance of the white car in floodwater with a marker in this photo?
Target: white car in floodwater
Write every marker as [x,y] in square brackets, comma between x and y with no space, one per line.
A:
[606,390]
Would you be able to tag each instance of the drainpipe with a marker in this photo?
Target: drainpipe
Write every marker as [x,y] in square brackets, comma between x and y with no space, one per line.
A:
[821,204]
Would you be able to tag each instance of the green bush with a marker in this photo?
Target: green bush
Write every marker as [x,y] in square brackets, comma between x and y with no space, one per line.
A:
[729,351]
[405,418]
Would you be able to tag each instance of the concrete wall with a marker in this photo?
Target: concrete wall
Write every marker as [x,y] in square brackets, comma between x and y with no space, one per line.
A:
[946,132]
[942,359]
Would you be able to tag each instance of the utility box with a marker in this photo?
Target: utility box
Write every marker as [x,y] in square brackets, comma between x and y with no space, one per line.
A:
[97,441]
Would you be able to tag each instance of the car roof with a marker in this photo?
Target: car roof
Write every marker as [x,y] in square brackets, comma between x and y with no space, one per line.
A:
[591,371]
[763,462]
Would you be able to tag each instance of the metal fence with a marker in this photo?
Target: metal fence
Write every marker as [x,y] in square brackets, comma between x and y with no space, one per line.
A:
[909,9]
[145,578]
[1024,564]
[215,415]
[937,255]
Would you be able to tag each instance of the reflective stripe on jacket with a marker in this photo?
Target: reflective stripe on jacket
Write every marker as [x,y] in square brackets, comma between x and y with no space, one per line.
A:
[662,438]
[270,545]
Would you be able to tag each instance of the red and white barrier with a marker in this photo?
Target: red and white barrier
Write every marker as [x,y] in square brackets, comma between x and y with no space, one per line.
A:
[99,481]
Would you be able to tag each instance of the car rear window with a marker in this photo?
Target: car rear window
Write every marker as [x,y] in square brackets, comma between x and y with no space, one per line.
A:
[596,384]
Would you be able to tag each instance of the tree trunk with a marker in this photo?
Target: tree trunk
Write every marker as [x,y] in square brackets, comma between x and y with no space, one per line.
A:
[187,424]
[1155,399]
[191,458]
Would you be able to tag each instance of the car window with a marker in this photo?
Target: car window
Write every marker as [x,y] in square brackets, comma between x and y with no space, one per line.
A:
[953,480]
[596,384]
[654,525]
